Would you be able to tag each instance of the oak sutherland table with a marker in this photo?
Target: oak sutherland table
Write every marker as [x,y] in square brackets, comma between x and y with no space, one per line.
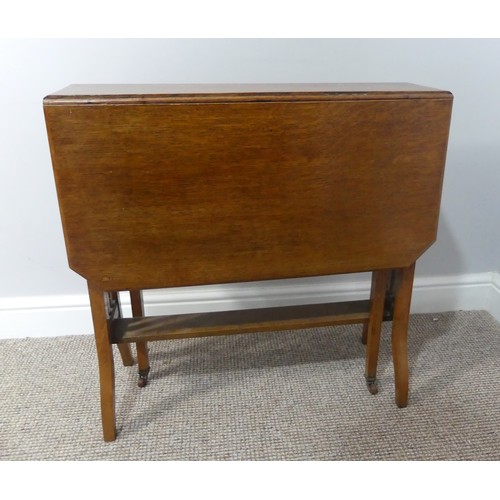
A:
[176,185]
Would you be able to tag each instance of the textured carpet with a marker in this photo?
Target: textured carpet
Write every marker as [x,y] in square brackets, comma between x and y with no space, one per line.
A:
[272,396]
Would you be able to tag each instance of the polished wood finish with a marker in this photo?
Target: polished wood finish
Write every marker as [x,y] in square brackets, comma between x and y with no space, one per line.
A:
[364,334]
[223,93]
[380,281]
[126,355]
[404,287]
[240,321]
[137,303]
[232,182]
[142,347]
[195,185]
[105,359]
[125,351]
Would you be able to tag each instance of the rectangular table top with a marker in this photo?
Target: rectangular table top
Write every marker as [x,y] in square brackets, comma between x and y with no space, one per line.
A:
[94,93]
[172,185]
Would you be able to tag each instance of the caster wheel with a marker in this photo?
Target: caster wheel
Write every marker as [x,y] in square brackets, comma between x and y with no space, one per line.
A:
[143,378]
[372,385]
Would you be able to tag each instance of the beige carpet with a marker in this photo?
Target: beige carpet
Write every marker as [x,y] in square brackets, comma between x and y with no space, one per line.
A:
[272,396]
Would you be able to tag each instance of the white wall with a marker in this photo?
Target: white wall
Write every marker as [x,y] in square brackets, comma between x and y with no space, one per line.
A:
[32,254]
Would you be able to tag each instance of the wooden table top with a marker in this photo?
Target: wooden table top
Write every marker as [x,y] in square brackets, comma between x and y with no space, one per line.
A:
[197,184]
[85,94]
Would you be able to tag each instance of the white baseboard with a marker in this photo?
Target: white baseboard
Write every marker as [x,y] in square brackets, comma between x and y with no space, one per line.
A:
[70,314]
[494,299]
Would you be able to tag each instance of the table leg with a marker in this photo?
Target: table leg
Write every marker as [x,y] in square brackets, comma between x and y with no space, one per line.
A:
[125,351]
[142,347]
[364,334]
[105,359]
[380,280]
[126,354]
[403,291]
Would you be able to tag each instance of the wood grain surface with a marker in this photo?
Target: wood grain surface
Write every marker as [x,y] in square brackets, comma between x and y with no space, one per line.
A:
[192,194]
[240,321]
[162,186]
[198,93]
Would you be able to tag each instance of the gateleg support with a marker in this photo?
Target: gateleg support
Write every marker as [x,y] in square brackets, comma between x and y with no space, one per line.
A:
[380,281]
[142,347]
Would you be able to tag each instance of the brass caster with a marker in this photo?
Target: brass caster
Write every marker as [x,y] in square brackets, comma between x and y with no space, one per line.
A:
[371,382]
[143,377]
